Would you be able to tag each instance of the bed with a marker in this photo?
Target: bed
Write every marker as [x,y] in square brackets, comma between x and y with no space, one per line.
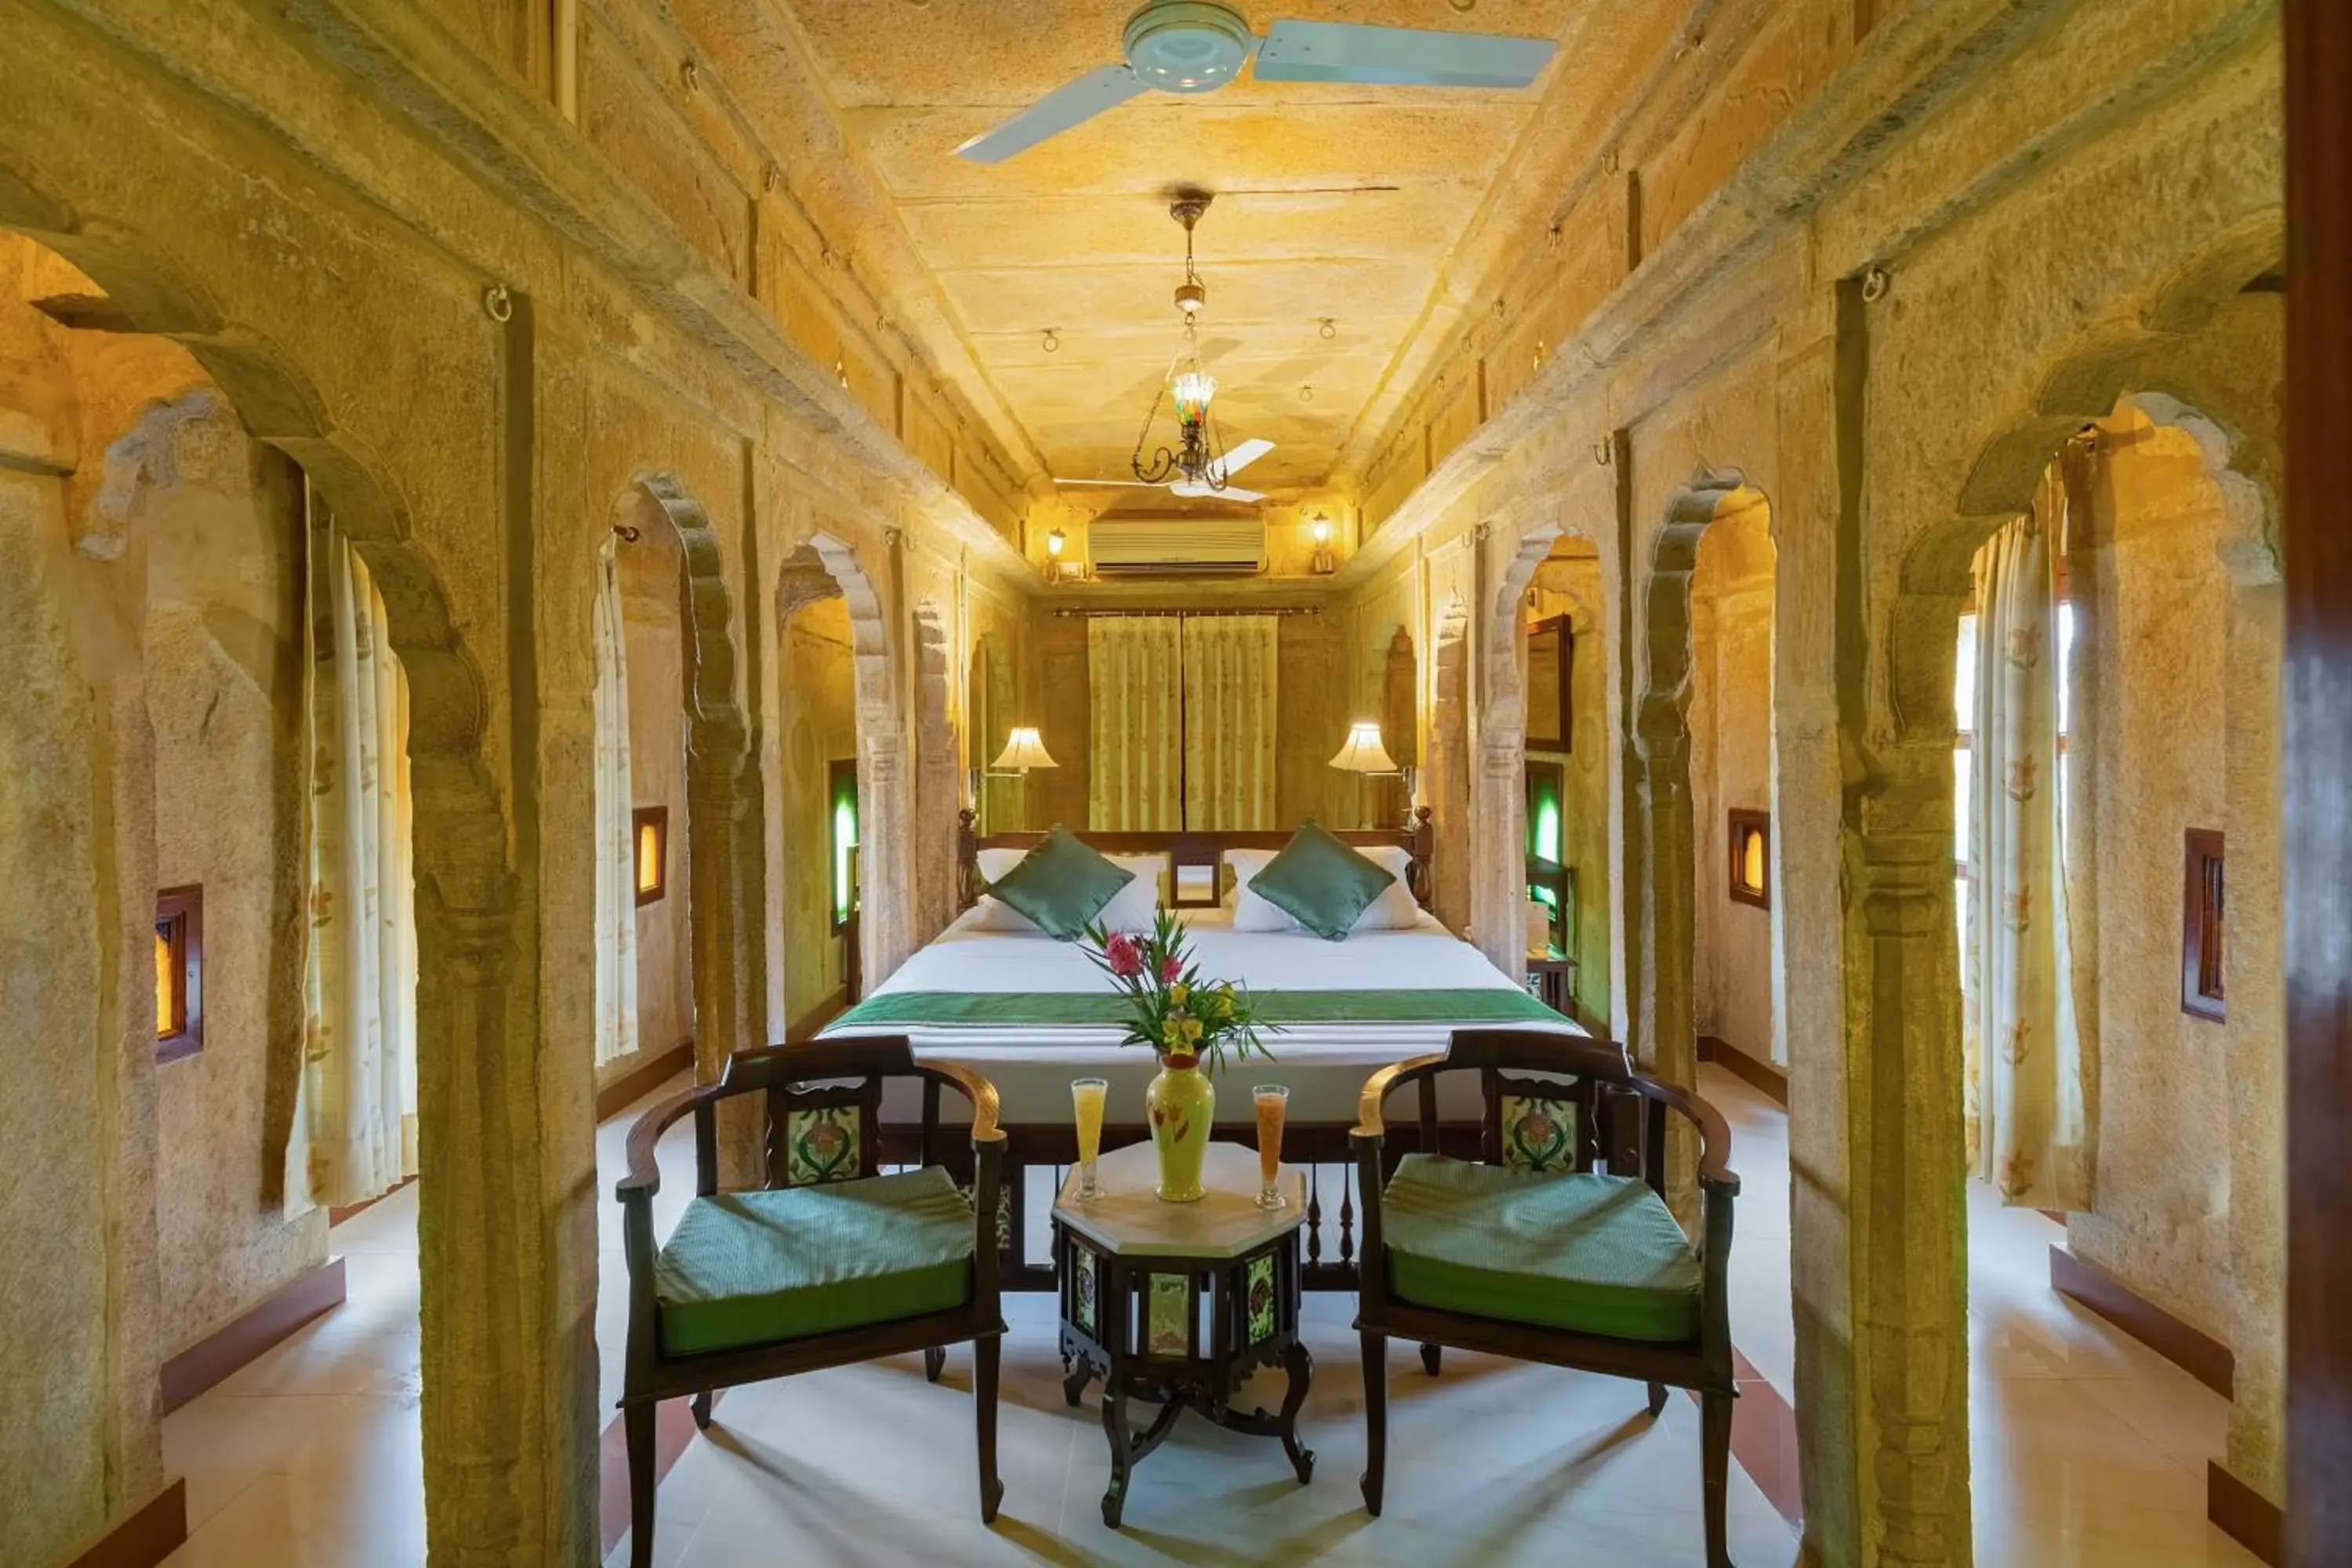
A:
[1031,1013]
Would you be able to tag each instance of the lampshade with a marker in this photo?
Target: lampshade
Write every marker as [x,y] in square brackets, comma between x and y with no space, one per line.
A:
[1363,752]
[1193,390]
[1022,751]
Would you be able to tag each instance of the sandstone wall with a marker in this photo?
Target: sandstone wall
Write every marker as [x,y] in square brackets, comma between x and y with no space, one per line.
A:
[223,657]
[1731,767]
[2158,708]
[653,624]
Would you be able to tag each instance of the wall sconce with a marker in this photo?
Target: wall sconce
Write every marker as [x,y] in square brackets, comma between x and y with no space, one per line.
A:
[1322,560]
[1364,754]
[1022,751]
[1056,541]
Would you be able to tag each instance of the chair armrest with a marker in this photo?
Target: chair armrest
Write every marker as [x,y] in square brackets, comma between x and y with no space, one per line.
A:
[644,1175]
[1369,1122]
[982,1095]
[1714,1135]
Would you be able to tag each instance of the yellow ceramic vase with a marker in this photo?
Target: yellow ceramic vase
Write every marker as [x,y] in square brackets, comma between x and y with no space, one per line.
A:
[1183,1105]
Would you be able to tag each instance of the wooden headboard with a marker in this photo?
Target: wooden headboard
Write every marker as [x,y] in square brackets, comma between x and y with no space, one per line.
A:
[1195,848]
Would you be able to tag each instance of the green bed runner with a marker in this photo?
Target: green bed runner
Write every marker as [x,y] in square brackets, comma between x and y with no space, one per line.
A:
[1003,1010]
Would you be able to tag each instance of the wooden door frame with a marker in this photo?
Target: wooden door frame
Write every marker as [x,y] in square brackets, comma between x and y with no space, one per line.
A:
[2317,786]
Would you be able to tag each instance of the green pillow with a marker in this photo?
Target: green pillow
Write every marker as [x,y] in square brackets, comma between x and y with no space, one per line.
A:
[1321,882]
[1061,885]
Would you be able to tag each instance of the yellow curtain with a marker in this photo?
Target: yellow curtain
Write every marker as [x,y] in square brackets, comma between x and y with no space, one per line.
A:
[2027,1077]
[1135,673]
[1229,689]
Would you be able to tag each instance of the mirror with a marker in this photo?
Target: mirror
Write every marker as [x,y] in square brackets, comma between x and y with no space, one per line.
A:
[1549,643]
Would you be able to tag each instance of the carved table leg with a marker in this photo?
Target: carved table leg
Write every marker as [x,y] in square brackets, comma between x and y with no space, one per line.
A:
[935,1361]
[1074,1383]
[1114,1420]
[1301,1368]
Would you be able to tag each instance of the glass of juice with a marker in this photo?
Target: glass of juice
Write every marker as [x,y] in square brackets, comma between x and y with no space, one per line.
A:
[1273,1103]
[1086,1103]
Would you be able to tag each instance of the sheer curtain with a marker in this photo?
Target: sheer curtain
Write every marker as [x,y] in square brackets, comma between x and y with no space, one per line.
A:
[616,880]
[355,1133]
[1135,675]
[1230,674]
[2025,1092]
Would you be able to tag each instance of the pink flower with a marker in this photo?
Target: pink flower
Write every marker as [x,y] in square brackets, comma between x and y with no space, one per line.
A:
[1170,967]
[1126,960]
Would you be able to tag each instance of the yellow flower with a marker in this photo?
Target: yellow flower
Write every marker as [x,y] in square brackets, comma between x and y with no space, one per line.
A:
[1190,1028]
[1226,1003]
[1172,1031]
[1179,994]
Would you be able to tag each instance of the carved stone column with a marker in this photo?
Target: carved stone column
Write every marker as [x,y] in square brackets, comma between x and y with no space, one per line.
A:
[509,1392]
[1908,1216]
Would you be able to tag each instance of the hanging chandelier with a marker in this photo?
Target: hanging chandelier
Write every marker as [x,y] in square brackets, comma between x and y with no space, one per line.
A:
[1197,457]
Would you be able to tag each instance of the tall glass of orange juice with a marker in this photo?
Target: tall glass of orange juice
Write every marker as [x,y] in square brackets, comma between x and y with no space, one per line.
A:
[1086,1103]
[1273,1103]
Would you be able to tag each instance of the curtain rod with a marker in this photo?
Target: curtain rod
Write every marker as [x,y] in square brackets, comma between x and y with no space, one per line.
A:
[1187,614]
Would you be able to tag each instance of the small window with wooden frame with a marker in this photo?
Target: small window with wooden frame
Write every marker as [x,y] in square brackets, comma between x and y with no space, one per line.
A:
[1751,858]
[649,836]
[179,973]
[2202,927]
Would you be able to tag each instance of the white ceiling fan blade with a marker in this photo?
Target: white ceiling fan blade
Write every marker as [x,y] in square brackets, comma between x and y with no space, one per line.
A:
[1073,103]
[1110,484]
[1243,456]
[1399,57]
[1202,492]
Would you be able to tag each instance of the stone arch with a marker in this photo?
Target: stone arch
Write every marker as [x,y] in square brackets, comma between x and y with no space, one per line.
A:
[2172,349]
[1498,860]
[723,830]
[935,789]
[823,566]
[1909,821]
[484,1252]
[1665,935]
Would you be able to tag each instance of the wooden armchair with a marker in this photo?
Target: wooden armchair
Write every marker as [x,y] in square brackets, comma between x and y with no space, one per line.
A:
[830,1262]
[1555,1244]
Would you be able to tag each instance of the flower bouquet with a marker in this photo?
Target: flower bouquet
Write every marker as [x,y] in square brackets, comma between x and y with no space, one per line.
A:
[1187,1020]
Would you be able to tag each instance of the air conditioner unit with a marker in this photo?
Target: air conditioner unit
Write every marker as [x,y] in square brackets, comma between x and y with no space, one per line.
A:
[1177,544]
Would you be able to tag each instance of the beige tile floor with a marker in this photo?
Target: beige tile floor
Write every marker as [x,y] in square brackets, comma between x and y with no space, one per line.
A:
[2088,1450]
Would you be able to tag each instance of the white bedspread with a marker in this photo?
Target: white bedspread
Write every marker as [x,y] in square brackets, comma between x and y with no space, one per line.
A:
[1425,957]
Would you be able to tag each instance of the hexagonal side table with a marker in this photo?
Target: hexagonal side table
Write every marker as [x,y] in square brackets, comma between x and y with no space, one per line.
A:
[1176,1303]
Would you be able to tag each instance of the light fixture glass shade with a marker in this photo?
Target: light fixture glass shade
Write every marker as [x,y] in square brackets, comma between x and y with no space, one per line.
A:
[1192,391]
[1055,541]
[1363,752]
[1322,529]
[1022,751]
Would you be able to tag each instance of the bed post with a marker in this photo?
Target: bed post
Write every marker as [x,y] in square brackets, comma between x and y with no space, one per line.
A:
[967,859]
[1424,850]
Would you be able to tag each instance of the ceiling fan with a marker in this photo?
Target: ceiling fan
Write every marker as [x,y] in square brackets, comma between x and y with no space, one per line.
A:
[1224,468]
[1198,46]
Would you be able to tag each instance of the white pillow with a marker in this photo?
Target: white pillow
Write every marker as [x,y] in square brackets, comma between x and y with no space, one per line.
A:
[1250,911]
[1132,908]
[1394,909]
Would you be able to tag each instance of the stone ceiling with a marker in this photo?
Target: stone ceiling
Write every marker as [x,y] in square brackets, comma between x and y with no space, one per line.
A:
[1339,202]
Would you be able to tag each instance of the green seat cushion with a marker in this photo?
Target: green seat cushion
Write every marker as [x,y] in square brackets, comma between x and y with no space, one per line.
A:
[1321,882]
[1594,1254]
[1061,885]
[746,1268]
